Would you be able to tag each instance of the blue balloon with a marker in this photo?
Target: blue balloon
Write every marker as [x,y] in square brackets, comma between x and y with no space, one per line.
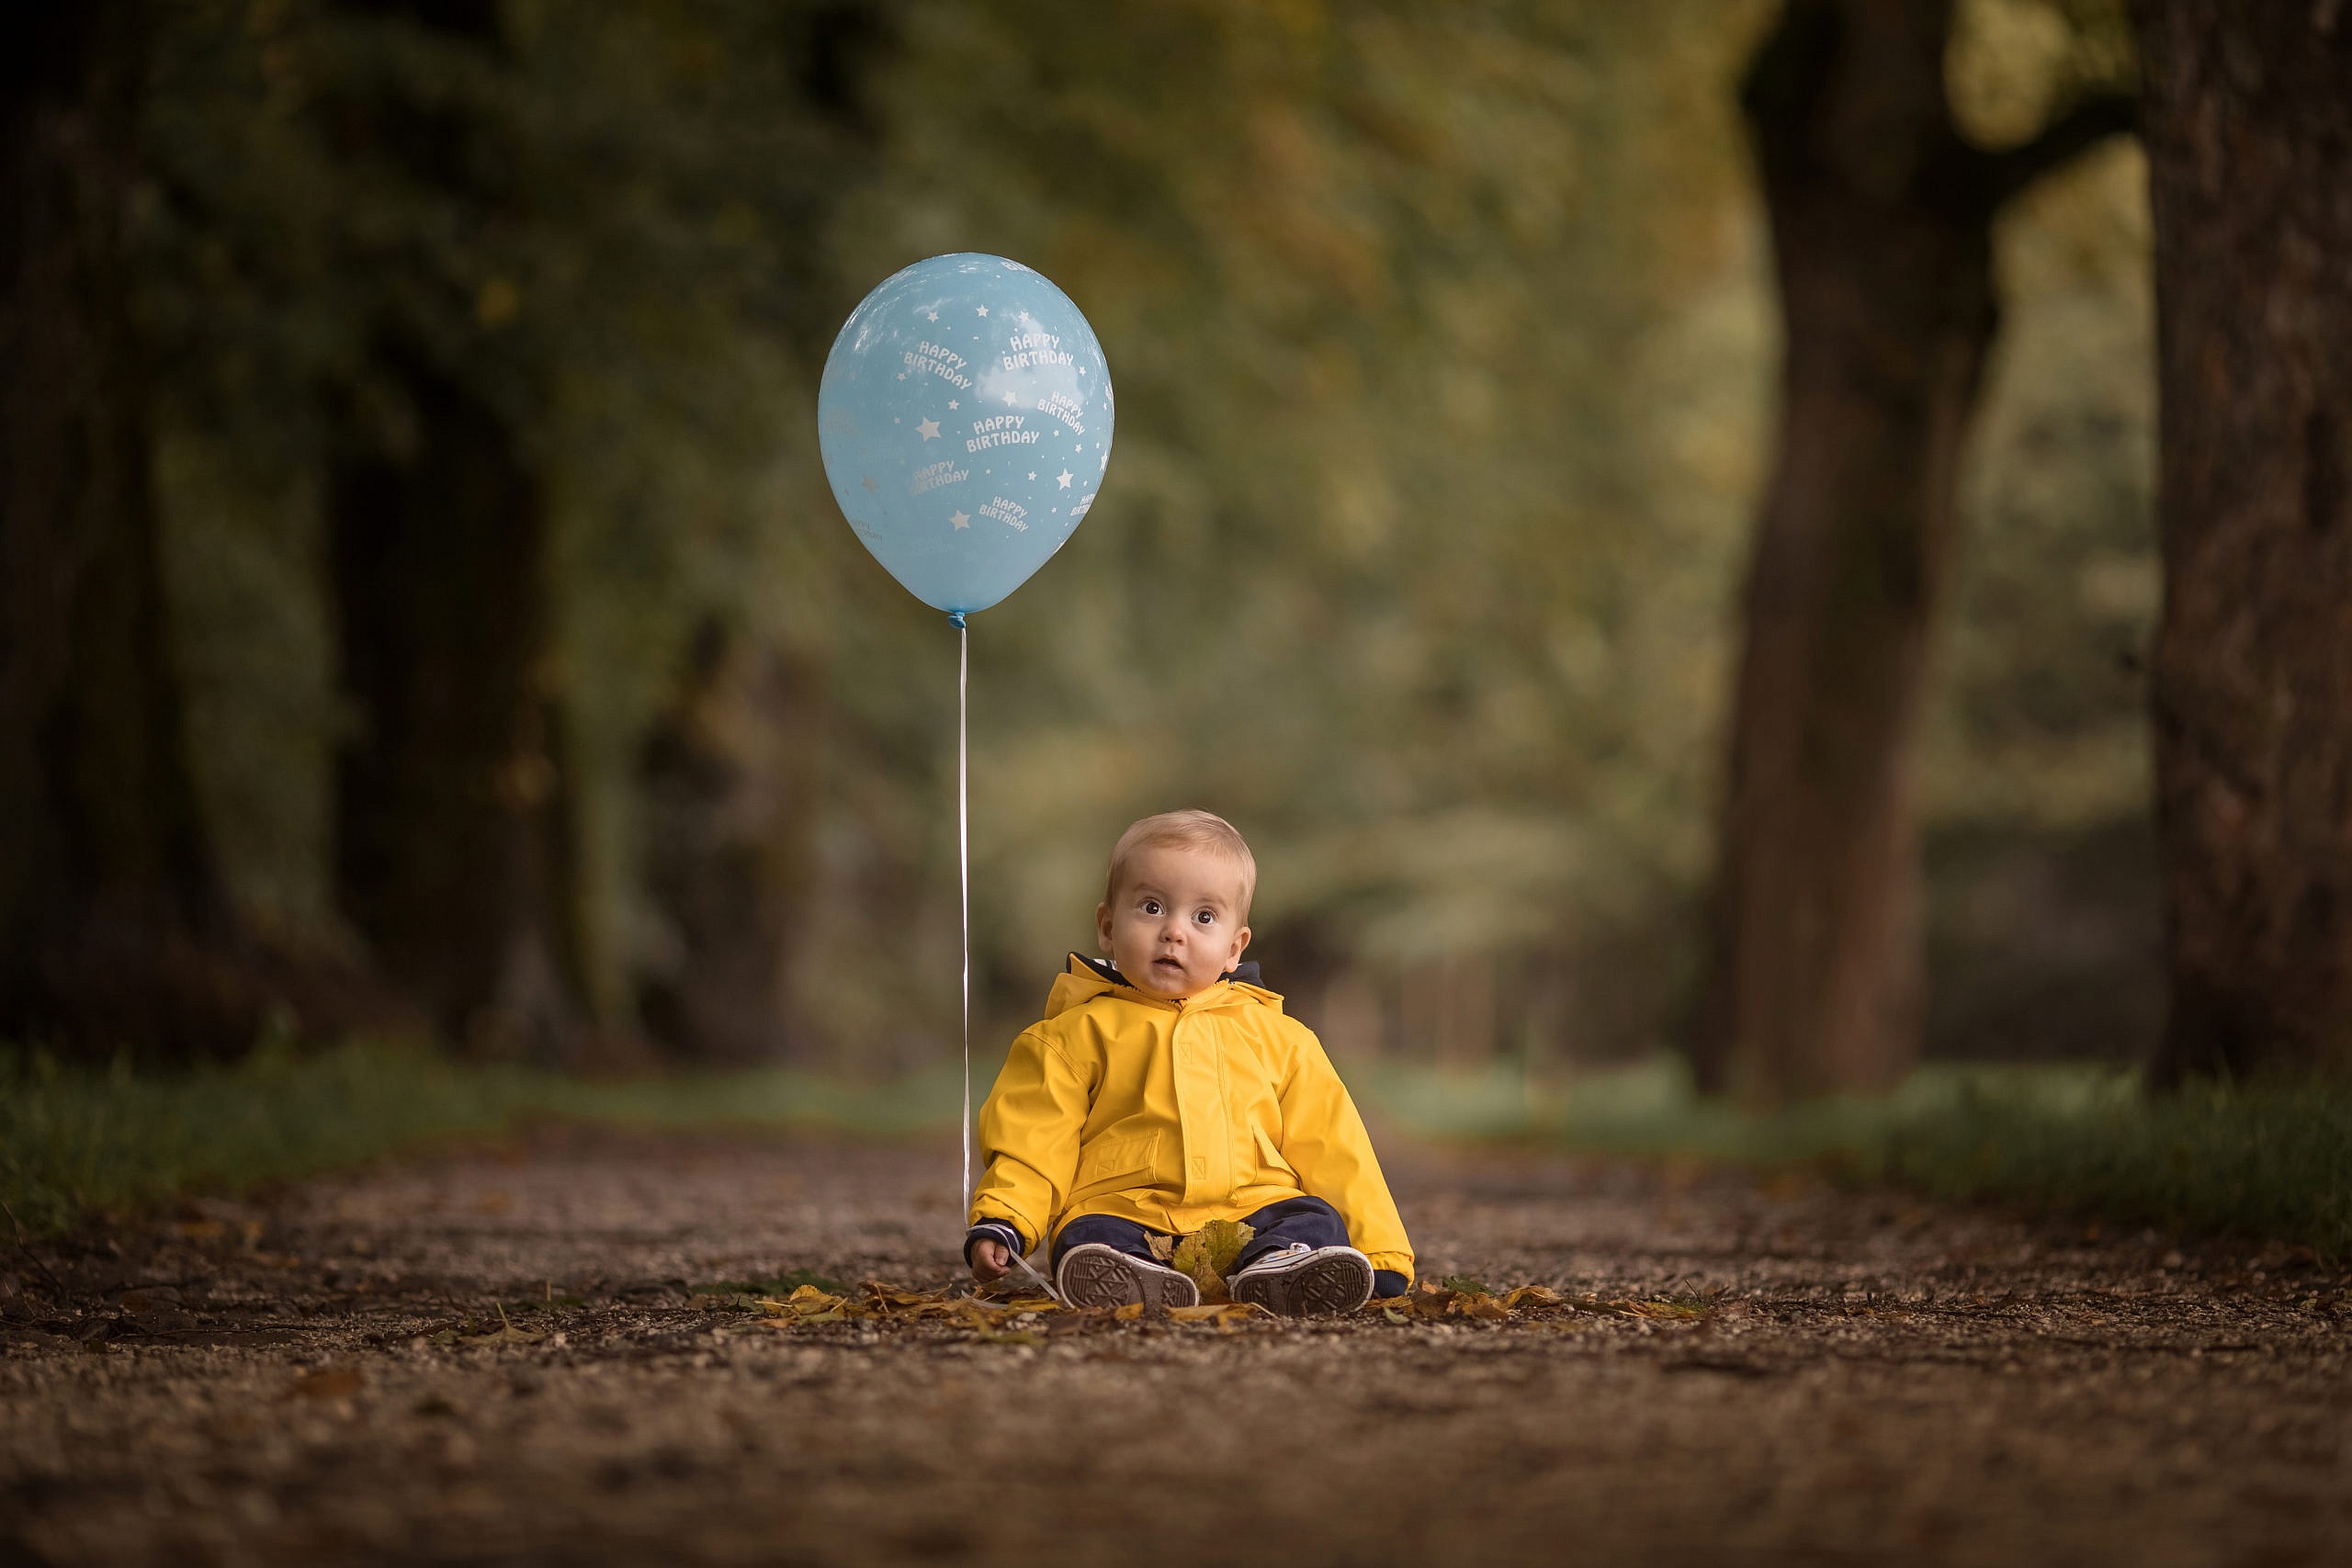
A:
[964,420]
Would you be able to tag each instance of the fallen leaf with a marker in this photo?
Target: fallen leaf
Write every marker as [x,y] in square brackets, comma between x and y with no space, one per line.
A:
[807,1305]
[1012,1337]
[1208,1254]
[892,1295]
[1225,1315]
[1430,1299]
[1531,1296]
[1163,1248]
[505,1333]
[1683,1311]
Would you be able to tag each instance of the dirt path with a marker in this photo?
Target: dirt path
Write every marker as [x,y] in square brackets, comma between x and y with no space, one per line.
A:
[307,1381]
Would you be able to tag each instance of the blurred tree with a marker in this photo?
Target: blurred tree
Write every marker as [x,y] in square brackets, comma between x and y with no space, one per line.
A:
[114,924]
[2249,128]
[1442,338]
[453,844]
[730,775]
[1881,217]
[496,287]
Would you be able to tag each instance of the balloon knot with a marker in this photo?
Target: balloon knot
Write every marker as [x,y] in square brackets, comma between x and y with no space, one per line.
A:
[955,619]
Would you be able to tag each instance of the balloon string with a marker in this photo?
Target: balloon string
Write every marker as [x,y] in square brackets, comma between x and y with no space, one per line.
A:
[964,871]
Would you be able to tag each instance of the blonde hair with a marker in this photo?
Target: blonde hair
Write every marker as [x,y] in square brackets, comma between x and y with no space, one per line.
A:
[1186,831]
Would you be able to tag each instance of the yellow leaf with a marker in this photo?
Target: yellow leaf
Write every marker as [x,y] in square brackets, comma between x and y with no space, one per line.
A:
[1531,1296]
[1208,1254]
[1686,1311]
[1225,1315]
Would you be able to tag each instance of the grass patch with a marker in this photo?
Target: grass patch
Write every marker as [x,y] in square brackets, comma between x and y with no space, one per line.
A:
[2272,1162]
[78,1141]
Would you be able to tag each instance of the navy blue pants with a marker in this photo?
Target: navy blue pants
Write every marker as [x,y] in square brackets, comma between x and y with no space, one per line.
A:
[1292,1220]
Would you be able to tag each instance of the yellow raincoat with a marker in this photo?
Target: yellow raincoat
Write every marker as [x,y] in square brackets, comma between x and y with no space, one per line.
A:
[1175,1113]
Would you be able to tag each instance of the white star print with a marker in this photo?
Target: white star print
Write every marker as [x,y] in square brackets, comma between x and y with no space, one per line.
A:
[929,428]
[954,404]
[1066,477]
[983,310]
[1009,399]
[960,520]
[1033,475]
[933,315]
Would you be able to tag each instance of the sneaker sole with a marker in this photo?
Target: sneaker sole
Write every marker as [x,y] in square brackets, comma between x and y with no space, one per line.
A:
[1339,1283]
[1098,1276]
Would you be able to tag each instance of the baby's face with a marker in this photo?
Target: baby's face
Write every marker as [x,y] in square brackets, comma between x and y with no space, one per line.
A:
[1174,925]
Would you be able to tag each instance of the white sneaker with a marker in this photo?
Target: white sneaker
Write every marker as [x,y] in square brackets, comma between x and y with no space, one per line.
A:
[1299,1279]
[1094,1275]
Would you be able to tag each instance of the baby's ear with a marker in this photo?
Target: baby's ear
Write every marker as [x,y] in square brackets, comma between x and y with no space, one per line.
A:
[1102,925]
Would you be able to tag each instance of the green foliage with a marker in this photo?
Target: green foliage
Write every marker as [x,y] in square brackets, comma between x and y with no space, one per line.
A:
[76,1142]
[2267,1161]
[1444,346]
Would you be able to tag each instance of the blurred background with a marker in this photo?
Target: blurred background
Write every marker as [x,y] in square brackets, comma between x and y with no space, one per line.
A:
[534,690]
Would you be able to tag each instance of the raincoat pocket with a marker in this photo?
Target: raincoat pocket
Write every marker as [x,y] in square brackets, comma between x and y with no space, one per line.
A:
[1118,1162]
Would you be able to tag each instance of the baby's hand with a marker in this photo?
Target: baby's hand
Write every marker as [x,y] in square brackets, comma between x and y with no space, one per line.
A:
[990,1259]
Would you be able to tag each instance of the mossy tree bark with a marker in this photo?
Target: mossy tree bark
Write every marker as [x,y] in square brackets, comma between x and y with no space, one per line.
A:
[1880,215]
[2249,127]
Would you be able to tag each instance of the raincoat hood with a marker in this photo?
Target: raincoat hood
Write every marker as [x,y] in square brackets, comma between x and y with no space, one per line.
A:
[1087,978]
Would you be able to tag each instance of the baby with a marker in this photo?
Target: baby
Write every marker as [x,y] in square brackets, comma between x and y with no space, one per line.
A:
[1165,1089]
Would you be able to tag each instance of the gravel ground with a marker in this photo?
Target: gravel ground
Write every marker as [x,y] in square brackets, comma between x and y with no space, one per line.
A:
[542,1353]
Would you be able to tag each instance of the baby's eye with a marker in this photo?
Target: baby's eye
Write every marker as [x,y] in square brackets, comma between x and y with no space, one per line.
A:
[1151,906]
[1206,917]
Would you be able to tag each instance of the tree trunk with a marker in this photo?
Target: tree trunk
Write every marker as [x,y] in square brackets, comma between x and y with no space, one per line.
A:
[114,926]
[730,778]
[454,828]
[1881,219]
[2249,126]
[453,836]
